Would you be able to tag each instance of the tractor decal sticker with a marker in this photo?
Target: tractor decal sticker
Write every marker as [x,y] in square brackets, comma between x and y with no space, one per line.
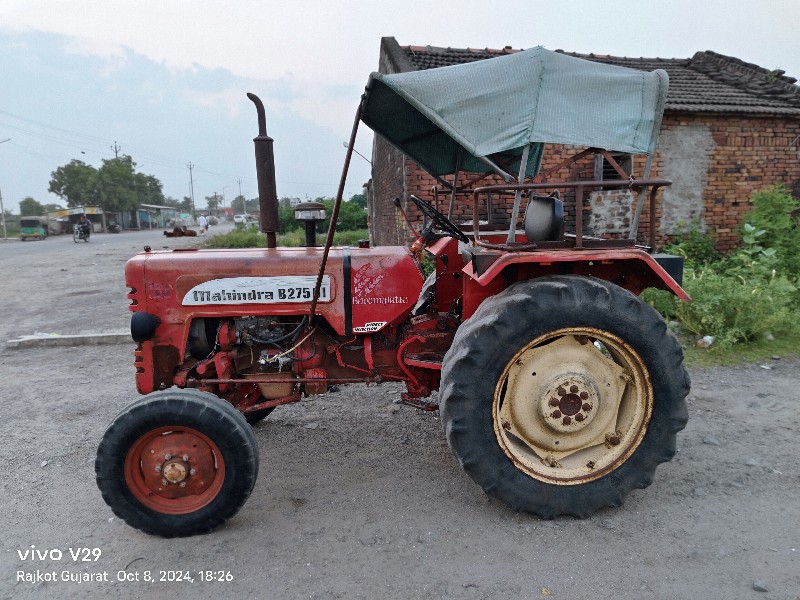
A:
[159,291]
[258,290]
[370,327]
[364,284]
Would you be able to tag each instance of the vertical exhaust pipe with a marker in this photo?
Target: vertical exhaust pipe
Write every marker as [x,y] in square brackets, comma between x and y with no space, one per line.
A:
[265,172]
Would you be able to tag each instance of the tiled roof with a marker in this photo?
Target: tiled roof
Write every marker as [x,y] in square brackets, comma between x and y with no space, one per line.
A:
[707,82]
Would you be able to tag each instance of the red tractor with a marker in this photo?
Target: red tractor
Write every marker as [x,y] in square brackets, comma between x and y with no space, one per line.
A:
[559,389]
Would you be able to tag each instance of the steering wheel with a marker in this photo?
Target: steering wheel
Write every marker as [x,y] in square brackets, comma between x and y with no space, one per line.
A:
[439,220]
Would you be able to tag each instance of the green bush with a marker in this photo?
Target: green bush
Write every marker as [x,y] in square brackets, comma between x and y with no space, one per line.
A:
[749,293]
[696,246]
[664,302]
[734,308]
[771,213]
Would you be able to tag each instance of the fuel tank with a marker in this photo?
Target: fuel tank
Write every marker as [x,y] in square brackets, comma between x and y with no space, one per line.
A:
[363,289]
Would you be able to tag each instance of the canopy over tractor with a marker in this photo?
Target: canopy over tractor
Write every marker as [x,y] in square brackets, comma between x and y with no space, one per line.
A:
[477,116]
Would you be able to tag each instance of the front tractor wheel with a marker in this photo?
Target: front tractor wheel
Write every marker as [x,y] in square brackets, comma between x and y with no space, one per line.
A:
[561,395]
[177,463]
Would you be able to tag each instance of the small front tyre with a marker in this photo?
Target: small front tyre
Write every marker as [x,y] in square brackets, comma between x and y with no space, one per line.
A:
[177,463]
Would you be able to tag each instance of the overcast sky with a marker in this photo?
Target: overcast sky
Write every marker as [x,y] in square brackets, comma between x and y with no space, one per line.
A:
[165,80]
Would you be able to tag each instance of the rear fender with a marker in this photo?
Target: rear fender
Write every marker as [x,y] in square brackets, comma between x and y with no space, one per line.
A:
[489,273]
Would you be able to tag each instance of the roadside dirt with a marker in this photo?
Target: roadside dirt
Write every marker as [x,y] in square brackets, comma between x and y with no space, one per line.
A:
[359,497]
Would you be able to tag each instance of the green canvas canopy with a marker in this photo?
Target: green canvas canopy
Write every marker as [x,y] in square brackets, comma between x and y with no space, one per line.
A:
[447,118]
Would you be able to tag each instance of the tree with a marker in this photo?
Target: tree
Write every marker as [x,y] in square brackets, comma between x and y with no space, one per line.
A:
[149,190]
[359,200]
[238,205]
[170,201]
[117,184]
[252,205]
[213,202]
[351,216]
[75,182]
[30,208]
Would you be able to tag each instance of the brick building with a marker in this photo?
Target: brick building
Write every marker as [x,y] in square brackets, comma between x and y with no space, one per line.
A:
[729,128]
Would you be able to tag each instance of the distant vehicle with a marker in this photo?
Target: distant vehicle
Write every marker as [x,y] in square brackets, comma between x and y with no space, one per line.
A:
[243,219]
[33,227]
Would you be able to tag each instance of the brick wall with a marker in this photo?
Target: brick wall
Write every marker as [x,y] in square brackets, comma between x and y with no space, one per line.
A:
[715,163]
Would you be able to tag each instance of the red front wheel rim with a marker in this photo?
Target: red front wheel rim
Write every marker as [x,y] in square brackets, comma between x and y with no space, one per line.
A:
[174,470]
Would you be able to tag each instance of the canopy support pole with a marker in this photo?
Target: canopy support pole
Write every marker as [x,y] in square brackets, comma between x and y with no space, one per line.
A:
[640,203]
[459,159]
[523,167]
[312,312]
[505,176]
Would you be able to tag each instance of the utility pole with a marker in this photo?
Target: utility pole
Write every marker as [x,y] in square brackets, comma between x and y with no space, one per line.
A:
[116,150]
[2,208]
[191,186]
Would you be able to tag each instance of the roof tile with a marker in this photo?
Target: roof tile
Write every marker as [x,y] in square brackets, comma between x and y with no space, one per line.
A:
[707,82]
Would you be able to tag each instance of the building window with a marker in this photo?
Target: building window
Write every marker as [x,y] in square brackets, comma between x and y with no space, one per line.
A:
[605,171]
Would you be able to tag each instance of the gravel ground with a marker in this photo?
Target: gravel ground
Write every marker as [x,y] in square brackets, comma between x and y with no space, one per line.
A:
[359,497]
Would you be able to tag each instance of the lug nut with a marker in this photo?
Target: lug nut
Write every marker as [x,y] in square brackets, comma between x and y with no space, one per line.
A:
[561,391]
[183,484]
[554,402]
[584,395]
[158,468]
[579,417]
[185,458]
[556,414]
[574,389]
[567,420]
[193,472]
[167,456]
[586,406]
[164,482]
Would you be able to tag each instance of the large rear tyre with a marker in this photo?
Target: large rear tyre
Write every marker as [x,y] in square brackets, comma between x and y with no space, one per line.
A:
[560,395]
[177,463]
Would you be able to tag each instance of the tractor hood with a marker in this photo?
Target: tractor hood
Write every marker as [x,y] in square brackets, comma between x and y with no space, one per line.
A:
[363,290]
[446,118]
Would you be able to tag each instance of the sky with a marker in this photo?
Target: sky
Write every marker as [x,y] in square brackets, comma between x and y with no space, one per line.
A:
[165,81]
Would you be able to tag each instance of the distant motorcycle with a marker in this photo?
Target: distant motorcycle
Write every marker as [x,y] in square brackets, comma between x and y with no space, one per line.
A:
[79,233]
[114,227]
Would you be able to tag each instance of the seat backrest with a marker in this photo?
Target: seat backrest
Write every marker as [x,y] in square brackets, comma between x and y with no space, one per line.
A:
[544,218]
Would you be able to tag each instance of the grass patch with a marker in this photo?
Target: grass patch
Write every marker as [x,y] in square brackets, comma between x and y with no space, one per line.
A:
[252,238]
[761,350]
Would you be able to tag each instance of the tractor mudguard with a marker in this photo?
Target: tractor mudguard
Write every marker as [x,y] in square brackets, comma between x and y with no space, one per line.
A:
[488,272]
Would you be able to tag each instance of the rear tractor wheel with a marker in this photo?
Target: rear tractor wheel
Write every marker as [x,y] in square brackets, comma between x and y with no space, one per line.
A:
[177,463]
[561,395]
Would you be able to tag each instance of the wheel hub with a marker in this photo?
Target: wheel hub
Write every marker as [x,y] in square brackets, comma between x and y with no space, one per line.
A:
[568,404]
[175,472]
[572,405]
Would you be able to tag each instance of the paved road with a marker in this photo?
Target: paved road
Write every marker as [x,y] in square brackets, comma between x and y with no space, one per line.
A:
[359,497]
[58,286]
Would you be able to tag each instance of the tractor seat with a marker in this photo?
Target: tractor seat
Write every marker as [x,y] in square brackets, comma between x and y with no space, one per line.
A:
[544,218]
